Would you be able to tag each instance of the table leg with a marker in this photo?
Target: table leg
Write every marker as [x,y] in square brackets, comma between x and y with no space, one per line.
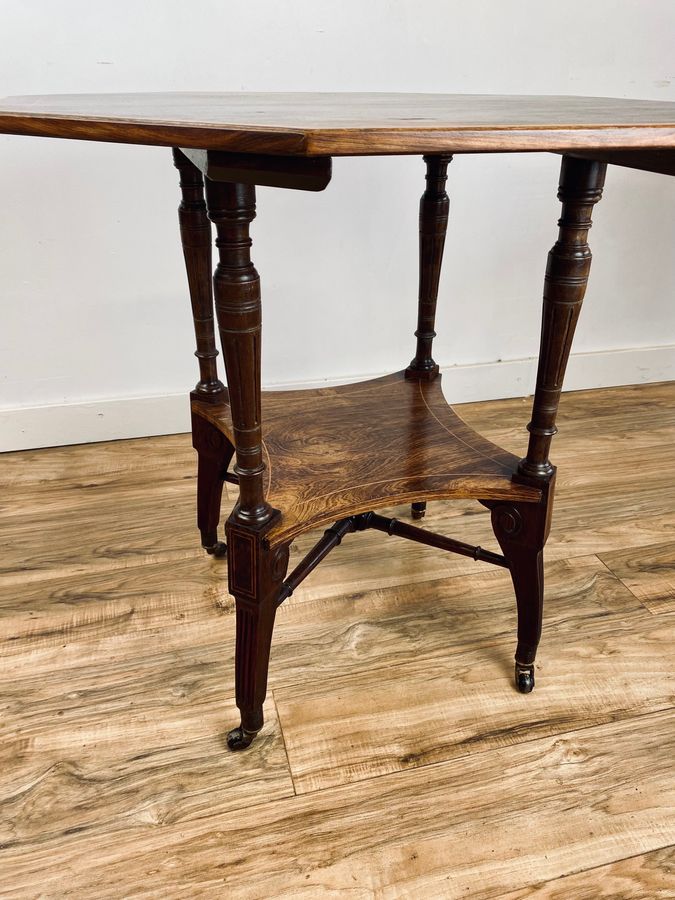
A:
[433,223]
[522,528]
[569,263]
[214,451]
[255,572]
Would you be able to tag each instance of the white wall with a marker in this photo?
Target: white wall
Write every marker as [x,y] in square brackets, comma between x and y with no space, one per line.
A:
[94,304]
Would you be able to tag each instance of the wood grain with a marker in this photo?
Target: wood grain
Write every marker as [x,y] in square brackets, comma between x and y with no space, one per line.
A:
[648,572]
[480,826]
[357,727]
[567,270]
[116,686]
[647,876]
[332,452]
[373,630]
[308,124]
[91,464]
[151,754]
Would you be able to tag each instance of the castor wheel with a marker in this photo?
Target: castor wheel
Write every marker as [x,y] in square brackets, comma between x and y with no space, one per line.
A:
[418,510]
[239,739]
[524,678]
[218,549]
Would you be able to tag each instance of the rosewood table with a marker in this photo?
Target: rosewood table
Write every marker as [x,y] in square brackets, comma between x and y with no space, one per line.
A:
[309,458]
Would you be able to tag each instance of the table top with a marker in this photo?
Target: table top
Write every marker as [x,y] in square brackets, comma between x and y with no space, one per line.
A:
[346,124]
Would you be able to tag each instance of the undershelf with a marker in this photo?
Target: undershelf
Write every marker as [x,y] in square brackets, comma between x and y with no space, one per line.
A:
[334,452]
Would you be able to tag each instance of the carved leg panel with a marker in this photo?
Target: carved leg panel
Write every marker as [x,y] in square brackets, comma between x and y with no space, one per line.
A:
[255,577]
[521,530]
[214,453]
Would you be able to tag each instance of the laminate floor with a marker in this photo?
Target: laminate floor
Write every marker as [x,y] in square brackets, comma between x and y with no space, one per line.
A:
[397,759]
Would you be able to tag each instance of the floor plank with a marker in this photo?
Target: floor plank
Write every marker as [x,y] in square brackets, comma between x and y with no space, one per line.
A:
[631,409]
[419,770]
[480,826]
[361,726]
[85,463]
[374,630]
[134,615]
[647,876]
[142,752]
[649,572]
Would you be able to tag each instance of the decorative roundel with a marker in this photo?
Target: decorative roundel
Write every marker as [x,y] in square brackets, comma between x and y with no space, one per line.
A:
[509,520]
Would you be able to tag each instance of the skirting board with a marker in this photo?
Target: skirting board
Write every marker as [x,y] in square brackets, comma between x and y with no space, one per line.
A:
[105,420]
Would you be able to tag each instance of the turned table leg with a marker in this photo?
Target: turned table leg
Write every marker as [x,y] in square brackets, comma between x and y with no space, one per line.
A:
[522,528]
[214,451]
[569,263]
[433,224]
[255,572]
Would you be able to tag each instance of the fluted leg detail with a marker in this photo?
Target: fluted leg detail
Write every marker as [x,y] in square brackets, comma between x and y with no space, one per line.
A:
[237,291]
[569,263]
[255,577]
[255,572]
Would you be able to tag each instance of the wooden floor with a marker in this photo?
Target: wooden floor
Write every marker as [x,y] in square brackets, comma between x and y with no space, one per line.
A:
[397,759]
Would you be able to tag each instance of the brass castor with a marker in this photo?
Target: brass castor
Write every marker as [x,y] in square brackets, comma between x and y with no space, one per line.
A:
[418,510]
[524,678]
[240,739]
[218,549]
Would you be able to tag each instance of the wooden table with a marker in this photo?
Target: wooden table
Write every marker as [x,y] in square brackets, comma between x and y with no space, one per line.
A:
[336,455]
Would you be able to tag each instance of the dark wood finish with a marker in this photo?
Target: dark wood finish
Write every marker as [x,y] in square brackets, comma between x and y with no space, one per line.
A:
[569,262]
[255,571]
[231,208]
[255,574]
[214,452]
[346,124]
[439,541]
[335,452]
[195,233]
[418,510]
[662,162]
[332,538]
[433,225]
[522,530]
[295,172]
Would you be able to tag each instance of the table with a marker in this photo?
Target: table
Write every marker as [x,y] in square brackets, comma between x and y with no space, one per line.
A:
[310,458]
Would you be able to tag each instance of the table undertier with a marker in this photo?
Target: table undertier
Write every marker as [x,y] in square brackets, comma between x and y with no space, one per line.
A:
[334,452]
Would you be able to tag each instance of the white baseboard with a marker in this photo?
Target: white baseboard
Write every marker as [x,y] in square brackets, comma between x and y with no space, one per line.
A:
[516,377]
[105,420]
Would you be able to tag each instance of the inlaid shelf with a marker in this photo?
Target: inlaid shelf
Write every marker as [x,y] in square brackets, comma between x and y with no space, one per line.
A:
[335,452]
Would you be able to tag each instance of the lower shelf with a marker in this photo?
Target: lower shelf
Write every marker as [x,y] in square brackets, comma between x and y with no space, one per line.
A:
[333,452]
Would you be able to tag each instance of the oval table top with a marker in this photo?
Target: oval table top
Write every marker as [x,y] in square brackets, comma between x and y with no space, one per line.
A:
[346,124]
